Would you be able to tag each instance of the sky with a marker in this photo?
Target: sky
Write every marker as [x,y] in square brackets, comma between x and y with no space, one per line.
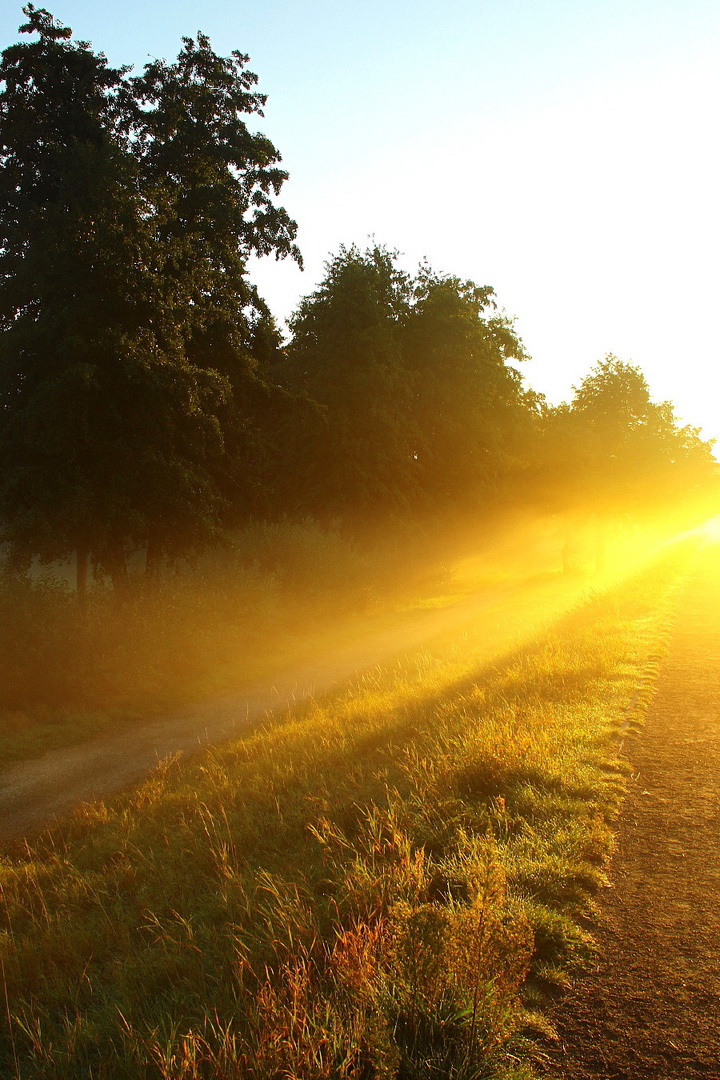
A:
[563,151]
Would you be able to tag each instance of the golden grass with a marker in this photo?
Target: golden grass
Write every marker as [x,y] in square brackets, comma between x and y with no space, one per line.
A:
[384,883]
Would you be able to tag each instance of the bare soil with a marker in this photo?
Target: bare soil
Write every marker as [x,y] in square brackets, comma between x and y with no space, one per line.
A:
[650,1008]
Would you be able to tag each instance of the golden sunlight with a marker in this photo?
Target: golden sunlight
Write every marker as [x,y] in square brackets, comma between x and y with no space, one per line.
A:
[710,529]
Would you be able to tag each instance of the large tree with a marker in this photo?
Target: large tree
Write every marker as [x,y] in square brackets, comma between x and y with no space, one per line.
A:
[346,355]
[423,409]
[473,415]
[128,210]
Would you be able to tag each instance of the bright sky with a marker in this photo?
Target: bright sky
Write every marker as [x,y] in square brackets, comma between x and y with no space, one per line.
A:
[563,151]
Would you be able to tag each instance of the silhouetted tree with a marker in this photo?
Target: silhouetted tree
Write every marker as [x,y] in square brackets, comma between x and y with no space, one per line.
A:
[128,209]
[612,452]
[358,453]
[422,410]
[630,449]
[473,415]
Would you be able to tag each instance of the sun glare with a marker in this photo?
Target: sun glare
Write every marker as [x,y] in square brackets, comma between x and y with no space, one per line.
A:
[710,529]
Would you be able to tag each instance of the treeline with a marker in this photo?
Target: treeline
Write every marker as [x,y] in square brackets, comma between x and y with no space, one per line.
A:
[149,403]
[419,407]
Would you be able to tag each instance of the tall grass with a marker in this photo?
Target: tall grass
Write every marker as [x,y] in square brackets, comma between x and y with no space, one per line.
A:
[383,884]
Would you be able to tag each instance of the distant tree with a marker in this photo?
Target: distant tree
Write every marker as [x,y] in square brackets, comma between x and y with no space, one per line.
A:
[128,209]
[613,452]
[632,449]
[474,417]
[422,409]
[357,453]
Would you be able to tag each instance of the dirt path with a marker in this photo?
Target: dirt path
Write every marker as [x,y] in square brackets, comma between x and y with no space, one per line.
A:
[651,1006]
[35,793]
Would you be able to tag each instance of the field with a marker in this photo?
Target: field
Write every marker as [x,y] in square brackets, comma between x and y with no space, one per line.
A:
[389,882]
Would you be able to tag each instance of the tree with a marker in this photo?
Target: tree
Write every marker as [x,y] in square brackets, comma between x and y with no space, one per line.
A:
[128,209]
[422,408]
[346,355]
[612,452]
[211,183]
[474,416]
[632,450]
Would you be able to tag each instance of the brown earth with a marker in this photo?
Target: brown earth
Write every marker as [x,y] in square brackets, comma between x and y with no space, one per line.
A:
[650,1008]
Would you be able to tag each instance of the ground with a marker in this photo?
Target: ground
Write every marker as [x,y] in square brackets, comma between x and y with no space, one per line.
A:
[650,1008]
[35,793]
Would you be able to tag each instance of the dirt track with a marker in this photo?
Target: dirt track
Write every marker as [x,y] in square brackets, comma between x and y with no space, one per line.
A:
[35,793]
[651,1006]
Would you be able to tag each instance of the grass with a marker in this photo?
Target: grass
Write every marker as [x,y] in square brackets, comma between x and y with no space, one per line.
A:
[281,590]
[385,883]
[282,594]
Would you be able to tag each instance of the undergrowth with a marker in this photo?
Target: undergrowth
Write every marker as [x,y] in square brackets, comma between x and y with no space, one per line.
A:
[385,884]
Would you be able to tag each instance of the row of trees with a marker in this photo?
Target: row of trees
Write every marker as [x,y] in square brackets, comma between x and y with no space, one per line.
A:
[147,400]
[424,408]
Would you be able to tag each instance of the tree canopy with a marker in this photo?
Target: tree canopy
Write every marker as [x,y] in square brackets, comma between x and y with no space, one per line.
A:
[422,407]
[147,397]
[128,210]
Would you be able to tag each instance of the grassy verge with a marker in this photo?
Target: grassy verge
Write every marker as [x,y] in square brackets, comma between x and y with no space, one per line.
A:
[384,884]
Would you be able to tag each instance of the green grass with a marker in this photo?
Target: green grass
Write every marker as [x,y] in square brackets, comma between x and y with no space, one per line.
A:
[385,883]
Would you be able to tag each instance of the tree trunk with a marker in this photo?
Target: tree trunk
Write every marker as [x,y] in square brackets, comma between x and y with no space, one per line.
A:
[81,576]
[119,573]
[153,555]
